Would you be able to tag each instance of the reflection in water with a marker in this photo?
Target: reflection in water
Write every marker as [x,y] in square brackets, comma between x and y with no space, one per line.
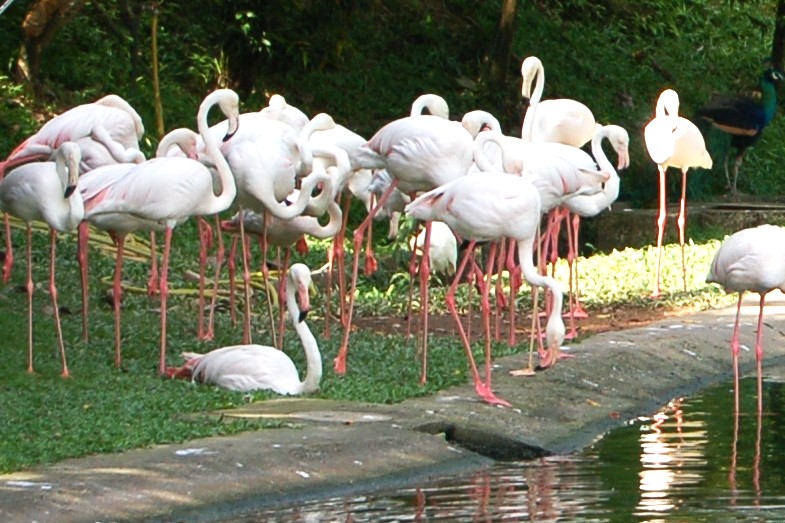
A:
[690,461]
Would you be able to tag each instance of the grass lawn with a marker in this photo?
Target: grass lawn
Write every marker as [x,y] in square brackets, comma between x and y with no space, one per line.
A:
[105,409]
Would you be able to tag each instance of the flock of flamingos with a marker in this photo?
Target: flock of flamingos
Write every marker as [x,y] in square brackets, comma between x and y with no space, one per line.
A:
[282,170]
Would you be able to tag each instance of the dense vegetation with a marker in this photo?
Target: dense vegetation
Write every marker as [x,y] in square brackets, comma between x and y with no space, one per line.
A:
[364,62]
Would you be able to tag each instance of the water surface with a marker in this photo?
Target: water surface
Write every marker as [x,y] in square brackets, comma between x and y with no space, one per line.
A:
[693,461]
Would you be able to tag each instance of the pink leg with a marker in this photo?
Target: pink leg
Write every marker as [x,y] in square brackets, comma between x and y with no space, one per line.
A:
[425,274]
[30,289]
[82,238]
[117,297]
[53,293]
[9,249]
[164,290]
[340,360]
[246,282]
[734,350]
[412,273]
[232,266]
[486,312]
[282,294]
[328,292]
[340,255]
[573,332]
[580,312]
[219,260]
[682,222]
[266,279]
[660,229]
[205,234]
[485,393]
[153,280]
[759,352]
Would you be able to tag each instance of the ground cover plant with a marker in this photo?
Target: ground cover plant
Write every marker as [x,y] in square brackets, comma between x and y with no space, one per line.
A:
[105,409]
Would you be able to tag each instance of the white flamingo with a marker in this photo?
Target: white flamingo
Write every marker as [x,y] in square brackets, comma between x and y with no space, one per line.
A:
[489,207]
[45,191]
[750,260]
[561,120]
[169,190]
[420,153]
[255,367]
[673,141]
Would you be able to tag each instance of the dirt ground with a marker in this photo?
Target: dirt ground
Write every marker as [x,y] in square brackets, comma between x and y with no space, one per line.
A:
[608,319]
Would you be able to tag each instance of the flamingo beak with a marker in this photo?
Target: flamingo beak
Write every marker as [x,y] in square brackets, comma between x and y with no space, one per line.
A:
[234,125]
[303,301]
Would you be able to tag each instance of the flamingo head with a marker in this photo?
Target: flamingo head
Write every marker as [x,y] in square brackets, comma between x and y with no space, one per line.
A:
[300,277]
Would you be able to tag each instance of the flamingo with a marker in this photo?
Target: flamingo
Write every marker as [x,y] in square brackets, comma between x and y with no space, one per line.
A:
[591,205]
[45,191]
[278,109]
[673,141]
[433,103]
[561,120]
[254,367]
[106,131]
[169,190]
[488,207]
[420,153]
[750,260]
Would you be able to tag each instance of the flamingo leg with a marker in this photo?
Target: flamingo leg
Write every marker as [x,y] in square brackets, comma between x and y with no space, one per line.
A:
[734,348]
[282,293]
[341,256]
[153,280]
[480,388]
[573,332]
[759,352]
[117,296]
[412,272]
[164,291]
[425,274]
[219,260]
[660,230]
[82,238]
[246,282]
[232,266]
[486,311]
[8,262]
[266,279]
[515,285]
[682,222]
[340,360]
[53,292]
[580,312]
[203,246]
[30,289]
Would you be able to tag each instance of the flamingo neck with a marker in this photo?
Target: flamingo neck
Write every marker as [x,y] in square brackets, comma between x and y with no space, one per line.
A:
[527,130]
[554,330]
[222,201]
[313,359]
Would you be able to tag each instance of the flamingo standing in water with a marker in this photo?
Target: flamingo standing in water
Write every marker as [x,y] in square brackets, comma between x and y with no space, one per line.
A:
[490,206]
[169,190]
[750,260]
[673,141]
[255,367]
[45,191]
[420,153]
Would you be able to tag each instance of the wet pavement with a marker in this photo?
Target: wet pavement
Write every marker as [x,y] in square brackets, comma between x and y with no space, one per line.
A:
[337,448]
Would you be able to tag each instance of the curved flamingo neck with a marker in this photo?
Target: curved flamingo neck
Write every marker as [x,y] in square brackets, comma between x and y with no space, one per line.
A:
[313,369]
[228,192]
[555,329]
[527,130]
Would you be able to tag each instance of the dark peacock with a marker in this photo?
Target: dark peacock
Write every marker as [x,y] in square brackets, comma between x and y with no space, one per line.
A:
[743,119]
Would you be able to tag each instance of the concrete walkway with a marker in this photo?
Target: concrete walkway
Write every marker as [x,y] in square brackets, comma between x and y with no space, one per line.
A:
[333,448]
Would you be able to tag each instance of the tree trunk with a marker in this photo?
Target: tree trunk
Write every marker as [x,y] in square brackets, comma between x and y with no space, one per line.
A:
[778,41]
[39,27]
[159,110]
[500,63]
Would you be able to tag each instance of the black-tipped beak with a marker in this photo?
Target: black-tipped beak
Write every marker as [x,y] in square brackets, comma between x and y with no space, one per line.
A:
[69,191]
[228,136]
[303,314]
